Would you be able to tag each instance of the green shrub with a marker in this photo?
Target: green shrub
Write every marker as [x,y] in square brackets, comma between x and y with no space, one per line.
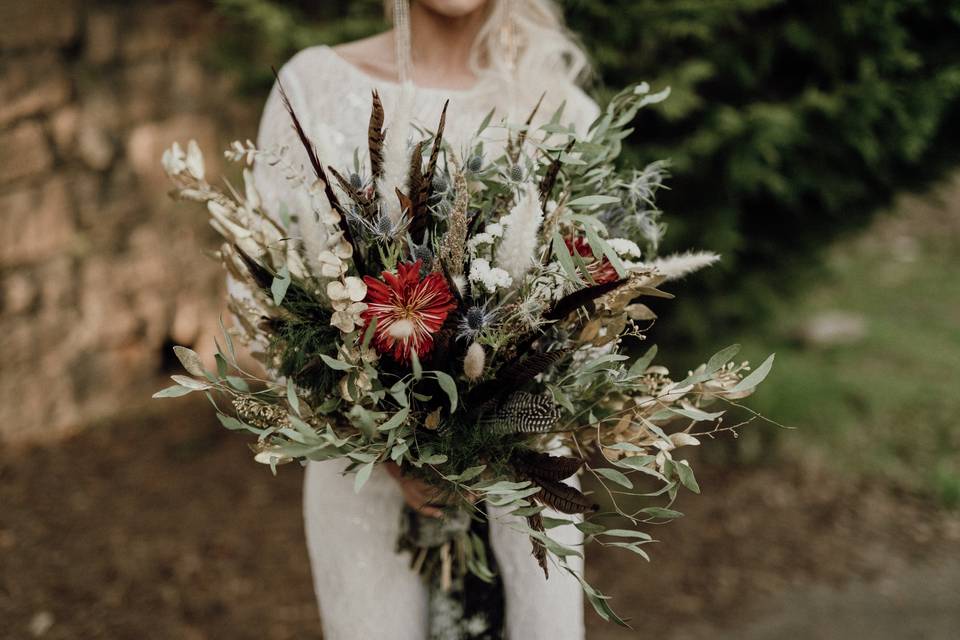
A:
[790,123]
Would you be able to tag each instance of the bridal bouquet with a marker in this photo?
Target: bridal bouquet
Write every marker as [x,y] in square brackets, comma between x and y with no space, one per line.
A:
[471,316]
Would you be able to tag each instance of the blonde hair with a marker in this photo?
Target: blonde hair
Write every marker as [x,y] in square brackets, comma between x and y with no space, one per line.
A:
[525,43]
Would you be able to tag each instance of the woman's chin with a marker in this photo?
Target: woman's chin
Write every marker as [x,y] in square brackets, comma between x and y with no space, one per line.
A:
[453,8]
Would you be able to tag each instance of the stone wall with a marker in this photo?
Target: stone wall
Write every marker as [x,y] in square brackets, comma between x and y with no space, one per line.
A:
[99,271]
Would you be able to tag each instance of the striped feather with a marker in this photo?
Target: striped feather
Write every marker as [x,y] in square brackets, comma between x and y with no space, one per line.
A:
[523,413]
[375,137]
[562,497]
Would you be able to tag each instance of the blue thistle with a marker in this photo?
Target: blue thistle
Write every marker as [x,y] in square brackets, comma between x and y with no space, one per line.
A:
[473,321]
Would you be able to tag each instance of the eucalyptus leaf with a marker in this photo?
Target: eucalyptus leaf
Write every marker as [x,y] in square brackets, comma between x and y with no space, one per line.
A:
[449,386]
[756,377]
[292,398]
[333,363]
[631,546]
[695,414]
[369,333]
[661,512]
[362,476]
[228,339]
[190,360]
[615,476]
[470,473]
[280,284]
[190,383]
[222,366]
[395,420]
[627,533]
[685,473]
[564,258]
[238,383]
[174,391]
[590,201]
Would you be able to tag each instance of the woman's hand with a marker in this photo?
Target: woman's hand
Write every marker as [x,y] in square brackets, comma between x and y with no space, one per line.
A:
[416,493]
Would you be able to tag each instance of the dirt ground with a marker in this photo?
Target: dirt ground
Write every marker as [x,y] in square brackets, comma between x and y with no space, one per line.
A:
[164,527]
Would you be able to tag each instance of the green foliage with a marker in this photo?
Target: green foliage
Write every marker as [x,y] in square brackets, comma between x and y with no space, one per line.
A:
[298,344]
[789,122]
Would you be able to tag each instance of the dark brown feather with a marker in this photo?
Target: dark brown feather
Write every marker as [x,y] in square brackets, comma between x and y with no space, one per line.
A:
[317,165]
[539,549]
[260,274]
[418,194]
[544,465]
[580,298]
[519,372]
[512,376]
[406,205]
[360,199]
[375,137]
[435,151]
[561,497]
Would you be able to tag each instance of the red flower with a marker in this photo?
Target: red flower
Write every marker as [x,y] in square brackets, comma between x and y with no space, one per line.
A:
[408,309]
[601,271]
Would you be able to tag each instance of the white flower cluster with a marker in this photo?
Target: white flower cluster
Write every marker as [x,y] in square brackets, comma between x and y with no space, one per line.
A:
[487,237]
[176,162]
[625,248]
[491,278]
[244,152]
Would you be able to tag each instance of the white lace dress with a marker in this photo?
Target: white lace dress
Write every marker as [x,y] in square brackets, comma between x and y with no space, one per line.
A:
[365,589]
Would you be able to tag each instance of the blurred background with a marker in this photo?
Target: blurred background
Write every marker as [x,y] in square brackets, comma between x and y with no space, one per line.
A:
[815,145]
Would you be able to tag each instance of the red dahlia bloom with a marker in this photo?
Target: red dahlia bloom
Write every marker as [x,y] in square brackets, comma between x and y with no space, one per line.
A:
[602,270]
[408,309]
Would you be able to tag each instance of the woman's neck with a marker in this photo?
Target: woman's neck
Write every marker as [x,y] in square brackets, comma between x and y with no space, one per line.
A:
[441,45]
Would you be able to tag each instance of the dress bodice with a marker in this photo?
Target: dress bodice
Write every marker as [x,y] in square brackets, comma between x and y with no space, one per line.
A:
[332,98]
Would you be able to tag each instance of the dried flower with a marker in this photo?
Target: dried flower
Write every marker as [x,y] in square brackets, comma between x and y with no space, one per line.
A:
[518,248]
[408,309]
[453,243]
[346,299]
[194,161]
[492,278]
[682,264]
[474,362]
[174,160]
[396,160]
[475,163]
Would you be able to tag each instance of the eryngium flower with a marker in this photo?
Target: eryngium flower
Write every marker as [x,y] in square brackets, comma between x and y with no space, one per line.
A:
[473,321]
[408,309]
